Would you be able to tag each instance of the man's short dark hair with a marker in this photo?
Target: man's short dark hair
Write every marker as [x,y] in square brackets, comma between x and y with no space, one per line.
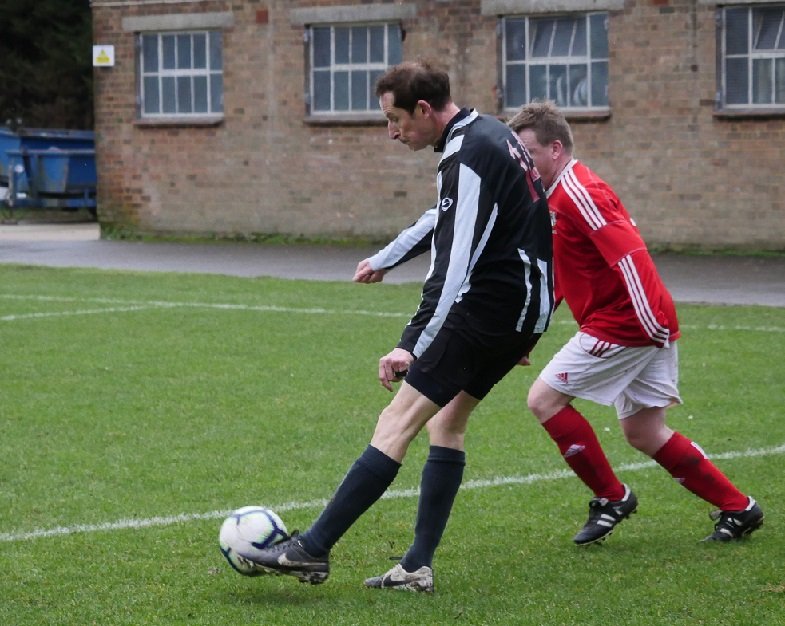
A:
[412,81]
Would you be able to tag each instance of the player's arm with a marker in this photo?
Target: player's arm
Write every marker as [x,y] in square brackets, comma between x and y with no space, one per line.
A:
[411,242]
[621,245]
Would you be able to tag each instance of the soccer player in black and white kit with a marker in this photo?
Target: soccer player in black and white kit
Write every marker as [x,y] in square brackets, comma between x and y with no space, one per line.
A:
[486,299]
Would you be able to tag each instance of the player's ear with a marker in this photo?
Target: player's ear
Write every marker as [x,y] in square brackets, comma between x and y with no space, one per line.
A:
[423,107]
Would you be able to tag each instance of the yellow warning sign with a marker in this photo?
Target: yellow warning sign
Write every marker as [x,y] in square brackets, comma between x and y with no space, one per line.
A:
[103,56]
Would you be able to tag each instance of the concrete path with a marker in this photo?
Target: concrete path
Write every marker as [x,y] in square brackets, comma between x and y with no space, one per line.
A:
[710,279]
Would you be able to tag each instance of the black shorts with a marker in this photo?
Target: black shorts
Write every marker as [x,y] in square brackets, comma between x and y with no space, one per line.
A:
[466,361]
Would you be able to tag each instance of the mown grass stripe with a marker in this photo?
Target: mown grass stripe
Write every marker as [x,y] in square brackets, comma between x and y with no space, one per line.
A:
[138,305]
[393,494]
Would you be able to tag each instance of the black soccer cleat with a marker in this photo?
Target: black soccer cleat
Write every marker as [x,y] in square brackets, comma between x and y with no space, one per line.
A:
[733,525]
[291,558]
[604,515]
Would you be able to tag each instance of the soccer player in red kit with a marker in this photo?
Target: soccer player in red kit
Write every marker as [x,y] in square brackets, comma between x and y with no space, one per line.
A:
[624,352]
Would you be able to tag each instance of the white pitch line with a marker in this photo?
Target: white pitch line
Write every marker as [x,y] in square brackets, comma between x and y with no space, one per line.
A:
[393,494]
[27,316]
[271,308]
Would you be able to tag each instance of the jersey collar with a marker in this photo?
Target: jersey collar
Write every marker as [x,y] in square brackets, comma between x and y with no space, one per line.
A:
[463,113]
[564,171]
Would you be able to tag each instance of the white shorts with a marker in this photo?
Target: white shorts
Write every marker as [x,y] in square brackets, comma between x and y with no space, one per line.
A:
[631,379]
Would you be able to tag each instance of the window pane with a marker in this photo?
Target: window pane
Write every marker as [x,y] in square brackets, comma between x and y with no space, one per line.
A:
[216,50]
[184,51]
[766,24]
[216,93]
[152,99]
[321,47]
[736,85]
[200,94]
[562,40]
[200,51]
[599,84]
[321,91]
[394,54]
[167,43]
[515,40]
[736,26]
[579,41]
[150,53]
[184,101]
[342,45]
[579,85]
[599,35]
[761,81]
[377,44]
[167,92]
[360,90]
[359,44]
[341,91]
[515,88]
[538,84]
[559,89]
[779,81]
[372,88]
[541,33]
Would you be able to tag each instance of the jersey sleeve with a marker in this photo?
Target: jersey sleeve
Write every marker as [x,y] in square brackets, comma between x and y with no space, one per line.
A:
[624,250]
[411,242]
[459,210]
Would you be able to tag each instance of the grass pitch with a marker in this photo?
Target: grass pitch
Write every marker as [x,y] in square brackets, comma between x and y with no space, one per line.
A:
[137,409]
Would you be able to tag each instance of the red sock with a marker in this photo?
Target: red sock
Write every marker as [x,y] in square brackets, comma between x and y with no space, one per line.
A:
[580,448]
[687,463]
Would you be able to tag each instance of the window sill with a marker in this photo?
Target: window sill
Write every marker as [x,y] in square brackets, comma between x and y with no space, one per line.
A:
[572,115]
[347,119]
[182,120]
[756,113]
[596,115]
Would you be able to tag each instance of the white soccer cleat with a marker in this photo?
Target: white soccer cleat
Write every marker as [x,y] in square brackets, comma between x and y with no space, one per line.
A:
[398,578]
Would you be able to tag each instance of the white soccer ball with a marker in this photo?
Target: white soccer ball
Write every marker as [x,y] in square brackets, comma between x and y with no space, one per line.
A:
[246,531]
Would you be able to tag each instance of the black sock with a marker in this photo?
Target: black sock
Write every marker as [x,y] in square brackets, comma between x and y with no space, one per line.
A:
[364,484]
[441,477]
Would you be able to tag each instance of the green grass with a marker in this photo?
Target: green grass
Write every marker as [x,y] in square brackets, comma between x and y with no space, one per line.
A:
[127,397]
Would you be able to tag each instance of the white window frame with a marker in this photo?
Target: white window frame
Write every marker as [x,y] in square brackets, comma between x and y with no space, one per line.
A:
[752,56]
[339,69]
[212,73]
[372,14]
[601,106]
[176,23]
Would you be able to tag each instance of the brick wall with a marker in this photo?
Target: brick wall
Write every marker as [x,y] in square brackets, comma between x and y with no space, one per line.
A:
[688,177]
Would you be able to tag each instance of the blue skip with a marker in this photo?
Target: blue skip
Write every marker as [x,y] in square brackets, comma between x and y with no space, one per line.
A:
[47,168]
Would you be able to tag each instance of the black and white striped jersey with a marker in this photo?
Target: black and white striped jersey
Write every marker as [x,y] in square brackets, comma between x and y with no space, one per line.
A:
[489,235]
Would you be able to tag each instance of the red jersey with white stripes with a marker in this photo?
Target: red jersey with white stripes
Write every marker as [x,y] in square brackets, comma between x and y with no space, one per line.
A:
[602,266]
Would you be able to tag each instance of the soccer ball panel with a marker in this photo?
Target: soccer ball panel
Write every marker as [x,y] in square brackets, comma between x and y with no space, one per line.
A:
[246,531]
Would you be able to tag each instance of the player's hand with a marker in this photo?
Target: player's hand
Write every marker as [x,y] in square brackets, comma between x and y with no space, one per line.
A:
[366,274]
[393,367]
[524,360]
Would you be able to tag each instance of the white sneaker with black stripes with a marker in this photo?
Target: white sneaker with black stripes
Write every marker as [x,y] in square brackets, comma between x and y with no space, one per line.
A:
[398,578]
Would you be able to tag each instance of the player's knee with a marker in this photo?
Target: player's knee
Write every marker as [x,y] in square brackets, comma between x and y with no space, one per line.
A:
[636,439]
[446,433]
[538,404]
